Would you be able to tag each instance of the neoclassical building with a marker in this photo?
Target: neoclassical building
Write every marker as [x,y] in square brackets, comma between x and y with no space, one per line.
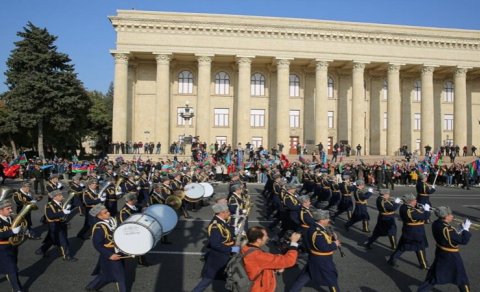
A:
[268,80]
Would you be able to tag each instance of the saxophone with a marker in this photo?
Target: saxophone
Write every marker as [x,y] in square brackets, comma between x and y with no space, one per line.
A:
[20,220]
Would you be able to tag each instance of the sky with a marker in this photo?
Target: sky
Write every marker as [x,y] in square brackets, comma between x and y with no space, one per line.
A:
[86,35]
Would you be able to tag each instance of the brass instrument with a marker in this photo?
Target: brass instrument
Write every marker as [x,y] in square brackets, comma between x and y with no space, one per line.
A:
[6,193]
[119,182]
[71,195]
[20,220]
[474,226]
[180,194]
[104,188]
[174,201]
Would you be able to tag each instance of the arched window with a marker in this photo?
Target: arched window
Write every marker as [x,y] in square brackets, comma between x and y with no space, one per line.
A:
[294,85]
[222,83]
[385,89]
[257,85]
[185,82]
[449,91]
[417,90]
[331,86]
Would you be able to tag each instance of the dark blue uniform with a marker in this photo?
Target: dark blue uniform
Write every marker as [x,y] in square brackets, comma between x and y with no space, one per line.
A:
[106,270]
[345,204]
[423,193]
[57,230]
[386,225]
[293,207]
[8,254]
[111,201]
[361,212]
[90,199]
[413,235]
[320,267]
[220,243]
[306,222]
[21,199]
[336,196]
[448,265]
[143,193]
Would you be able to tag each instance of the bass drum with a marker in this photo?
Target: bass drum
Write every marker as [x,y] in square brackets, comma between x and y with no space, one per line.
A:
[165,215]
[138,234]
[208,189]
[194,192]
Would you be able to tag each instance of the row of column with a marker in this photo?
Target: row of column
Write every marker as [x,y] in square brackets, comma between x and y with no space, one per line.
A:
[242,102]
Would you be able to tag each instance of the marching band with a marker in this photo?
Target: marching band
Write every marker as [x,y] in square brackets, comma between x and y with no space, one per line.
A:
[181,190]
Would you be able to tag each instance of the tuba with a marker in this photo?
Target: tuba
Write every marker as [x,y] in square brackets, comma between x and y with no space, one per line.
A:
[69,198]
[6,193]
[20,220]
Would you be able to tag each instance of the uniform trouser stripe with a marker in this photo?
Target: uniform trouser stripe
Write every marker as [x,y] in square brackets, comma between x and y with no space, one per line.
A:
[349,215]
[421,259]
[365,225]
[393,241]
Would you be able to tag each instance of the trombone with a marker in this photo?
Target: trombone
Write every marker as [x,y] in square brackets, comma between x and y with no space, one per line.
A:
[474,226]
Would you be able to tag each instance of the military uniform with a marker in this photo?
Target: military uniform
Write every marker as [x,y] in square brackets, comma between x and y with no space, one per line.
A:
[220,243]
[413,235]
[385,222]
[320,268]
[293,207]
[21,199]
[423,193]
[345,204]
[361,209]
[106,270]
[448,265]
[8,254]
[90,199]
[57,231]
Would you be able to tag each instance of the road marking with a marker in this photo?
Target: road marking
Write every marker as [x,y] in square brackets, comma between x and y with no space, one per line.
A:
[471,206]
[193,253]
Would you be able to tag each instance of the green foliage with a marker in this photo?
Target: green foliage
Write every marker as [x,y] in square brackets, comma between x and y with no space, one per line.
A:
[44,90]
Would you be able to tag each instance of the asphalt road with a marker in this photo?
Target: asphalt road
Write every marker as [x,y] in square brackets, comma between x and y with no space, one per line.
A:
[177,267]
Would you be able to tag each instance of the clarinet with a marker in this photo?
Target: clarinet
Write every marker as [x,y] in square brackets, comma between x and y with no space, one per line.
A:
[334,237]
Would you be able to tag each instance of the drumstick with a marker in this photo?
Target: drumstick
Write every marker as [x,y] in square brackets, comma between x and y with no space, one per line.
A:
[127,257]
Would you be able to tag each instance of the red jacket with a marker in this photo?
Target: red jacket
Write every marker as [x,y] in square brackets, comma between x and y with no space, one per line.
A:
[259,260]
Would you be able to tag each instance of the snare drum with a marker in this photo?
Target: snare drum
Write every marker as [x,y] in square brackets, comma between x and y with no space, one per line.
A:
[165,215]
[208,189]
[138,234]
[194,192]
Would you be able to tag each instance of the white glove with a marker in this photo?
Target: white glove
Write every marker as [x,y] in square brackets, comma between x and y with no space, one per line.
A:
[16,230]
[59,185]
[426,207]
[466,225]
[68,206]
[33,201]
[244,211]
[118,193]
[398,200]
[237,230]
[66,211]
[82,185]
[103,199]
[370,190]
[433,186]
[139,188]
[150,182]
[354,183]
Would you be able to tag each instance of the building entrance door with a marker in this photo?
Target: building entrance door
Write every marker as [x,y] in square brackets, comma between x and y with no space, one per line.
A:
[330,145]
[293,145]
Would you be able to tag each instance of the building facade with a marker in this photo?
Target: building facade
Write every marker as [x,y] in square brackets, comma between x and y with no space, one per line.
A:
[269,80]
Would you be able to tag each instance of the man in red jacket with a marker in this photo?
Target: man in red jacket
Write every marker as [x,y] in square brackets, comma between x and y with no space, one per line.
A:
[261,266]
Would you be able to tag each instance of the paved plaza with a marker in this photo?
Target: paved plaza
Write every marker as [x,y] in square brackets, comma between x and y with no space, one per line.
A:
[177,267]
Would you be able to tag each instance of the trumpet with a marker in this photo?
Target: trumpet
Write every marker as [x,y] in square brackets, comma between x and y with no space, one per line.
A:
[474,226]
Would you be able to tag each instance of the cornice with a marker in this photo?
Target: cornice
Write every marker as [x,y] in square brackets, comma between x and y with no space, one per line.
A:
[210,25]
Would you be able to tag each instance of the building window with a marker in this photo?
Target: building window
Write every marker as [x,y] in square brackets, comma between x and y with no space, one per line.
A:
[448,91]
[257,86]
[221,117]
[185,82]
[417,121]
[385,120]
[294,82]
[449,142]
[222,83]
[257,142]
[417,90]
[180,120]
[257,118]
[330,88]
[295,119]
[448,122]
[385,89]
[418,144]
[330,120]
[221,140]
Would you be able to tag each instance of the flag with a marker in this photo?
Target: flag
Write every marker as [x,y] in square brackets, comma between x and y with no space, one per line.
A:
[436,158]
[21,159]
[79,168]
[473,167]
[228,159]
[284,160]
[324,158]
[340,167]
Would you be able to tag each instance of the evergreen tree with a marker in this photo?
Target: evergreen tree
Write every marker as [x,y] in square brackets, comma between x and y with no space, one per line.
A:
[44,91]
[100,118]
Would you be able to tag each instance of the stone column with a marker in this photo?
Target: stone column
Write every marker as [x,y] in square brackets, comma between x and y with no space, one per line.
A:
[203,111]
[358,99]
[460,108]
[162,121]
[120,105]
[242,117]
[283,104]
[393,110]
[321,99]
[427,108]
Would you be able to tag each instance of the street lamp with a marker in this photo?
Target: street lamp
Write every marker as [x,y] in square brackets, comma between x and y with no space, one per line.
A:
[186,115]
